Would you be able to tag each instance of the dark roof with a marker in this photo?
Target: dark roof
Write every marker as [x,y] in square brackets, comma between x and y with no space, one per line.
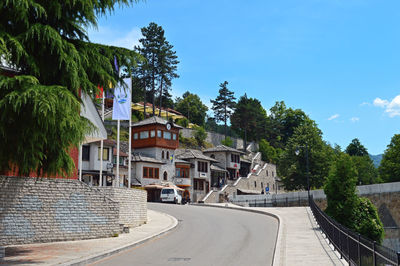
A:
[192,154]
[153,120]
[121,153]
[137,157]
[223,148]
[181,161]
[107,142]
[217,168]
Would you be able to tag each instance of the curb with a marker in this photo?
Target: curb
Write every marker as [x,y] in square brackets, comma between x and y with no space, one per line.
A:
[278,240]
[105,254]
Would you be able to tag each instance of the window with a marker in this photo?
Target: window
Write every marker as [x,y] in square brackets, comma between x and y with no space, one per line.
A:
[150,172]
[121,160]
[144,134]
[159,133]
[105,154]
[167,155]
[182,172]
[255,183]
[262,185]
[267,172]
[167,135]
[86,153]
[162,155]
[198,184]
[174,136]
[272,173]
[165,175]
[152,134]
[235,158]
[135,136]
[202,167]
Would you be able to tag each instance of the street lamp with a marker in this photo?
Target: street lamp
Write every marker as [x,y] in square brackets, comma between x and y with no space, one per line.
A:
[297,152]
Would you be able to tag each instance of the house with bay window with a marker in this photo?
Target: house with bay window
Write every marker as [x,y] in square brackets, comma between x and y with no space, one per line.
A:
[199,172]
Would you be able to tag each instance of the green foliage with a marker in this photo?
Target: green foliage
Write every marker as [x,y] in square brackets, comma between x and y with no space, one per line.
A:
[355,148]
[46,42]
[367,221]
[389,169]
[249,119]
[366,171]
[200,135]
[183,122]
[227,142]
[39,124]
[123,134]
[357,214]
[292,167]
[154,75]
[268,153]
[340,190]
[223,105]
[282,123]
[192,106]
[212,126]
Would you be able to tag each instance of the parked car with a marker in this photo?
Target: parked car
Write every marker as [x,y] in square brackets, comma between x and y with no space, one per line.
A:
[171,195]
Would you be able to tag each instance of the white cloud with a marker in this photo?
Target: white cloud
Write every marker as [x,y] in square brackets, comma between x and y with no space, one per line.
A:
[354,119]
[105,35]
[380,103]
[392,108]
[333,117]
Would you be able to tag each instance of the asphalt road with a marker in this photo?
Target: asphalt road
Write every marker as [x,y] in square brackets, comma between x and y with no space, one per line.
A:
[206,236]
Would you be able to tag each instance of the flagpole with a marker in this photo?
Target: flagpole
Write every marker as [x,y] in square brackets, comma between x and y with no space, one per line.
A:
[117,174]
[130,148]
[80,162]
[101,143]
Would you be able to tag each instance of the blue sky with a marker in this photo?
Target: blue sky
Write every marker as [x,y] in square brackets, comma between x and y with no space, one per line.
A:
[338,60]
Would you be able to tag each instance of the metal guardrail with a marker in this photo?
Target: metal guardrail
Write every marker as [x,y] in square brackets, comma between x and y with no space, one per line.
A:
[354,248]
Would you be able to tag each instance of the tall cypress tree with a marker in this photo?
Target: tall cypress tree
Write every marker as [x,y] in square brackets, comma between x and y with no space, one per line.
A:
[46,44]
[156,72]
[224,104]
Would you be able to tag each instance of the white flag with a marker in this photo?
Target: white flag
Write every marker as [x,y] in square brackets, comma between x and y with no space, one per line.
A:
[122,101]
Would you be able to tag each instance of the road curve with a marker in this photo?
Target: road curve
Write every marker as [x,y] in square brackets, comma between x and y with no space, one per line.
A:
[206,236]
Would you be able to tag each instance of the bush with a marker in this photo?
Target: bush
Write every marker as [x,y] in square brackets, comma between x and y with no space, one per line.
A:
[344,205]
[200,135]
[183,122]
[227,142]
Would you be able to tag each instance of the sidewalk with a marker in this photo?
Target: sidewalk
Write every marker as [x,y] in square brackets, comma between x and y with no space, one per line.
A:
[300,241]
[86,251]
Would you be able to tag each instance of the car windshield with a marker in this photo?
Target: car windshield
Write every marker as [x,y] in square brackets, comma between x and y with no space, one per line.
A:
[167,191]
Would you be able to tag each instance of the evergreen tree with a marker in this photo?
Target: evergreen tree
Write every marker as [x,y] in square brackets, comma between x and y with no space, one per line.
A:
[355,148]
[292,167]
[389,169]
[344,205]
[45,42]
[154,75]
[224,104]
[248,119]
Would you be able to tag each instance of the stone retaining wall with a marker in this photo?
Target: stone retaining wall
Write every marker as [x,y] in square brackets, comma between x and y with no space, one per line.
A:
[45,210]
[132,204]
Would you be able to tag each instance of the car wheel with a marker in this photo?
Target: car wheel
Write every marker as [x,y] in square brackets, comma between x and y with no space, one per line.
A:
[176,201]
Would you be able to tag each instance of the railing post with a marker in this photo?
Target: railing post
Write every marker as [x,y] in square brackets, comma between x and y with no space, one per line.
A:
[398,258]
[265,202]
[348,247]
[374,255]
[358,249]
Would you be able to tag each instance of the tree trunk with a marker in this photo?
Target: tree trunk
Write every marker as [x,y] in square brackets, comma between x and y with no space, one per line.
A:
[144,100]
[226,118]
[153,88]
[161,93]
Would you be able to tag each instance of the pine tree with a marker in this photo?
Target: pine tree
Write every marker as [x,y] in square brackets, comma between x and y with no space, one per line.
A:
[156,72]
[223,105]
[46,44]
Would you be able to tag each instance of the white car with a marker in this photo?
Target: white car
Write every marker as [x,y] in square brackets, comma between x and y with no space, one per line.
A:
[170,195]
